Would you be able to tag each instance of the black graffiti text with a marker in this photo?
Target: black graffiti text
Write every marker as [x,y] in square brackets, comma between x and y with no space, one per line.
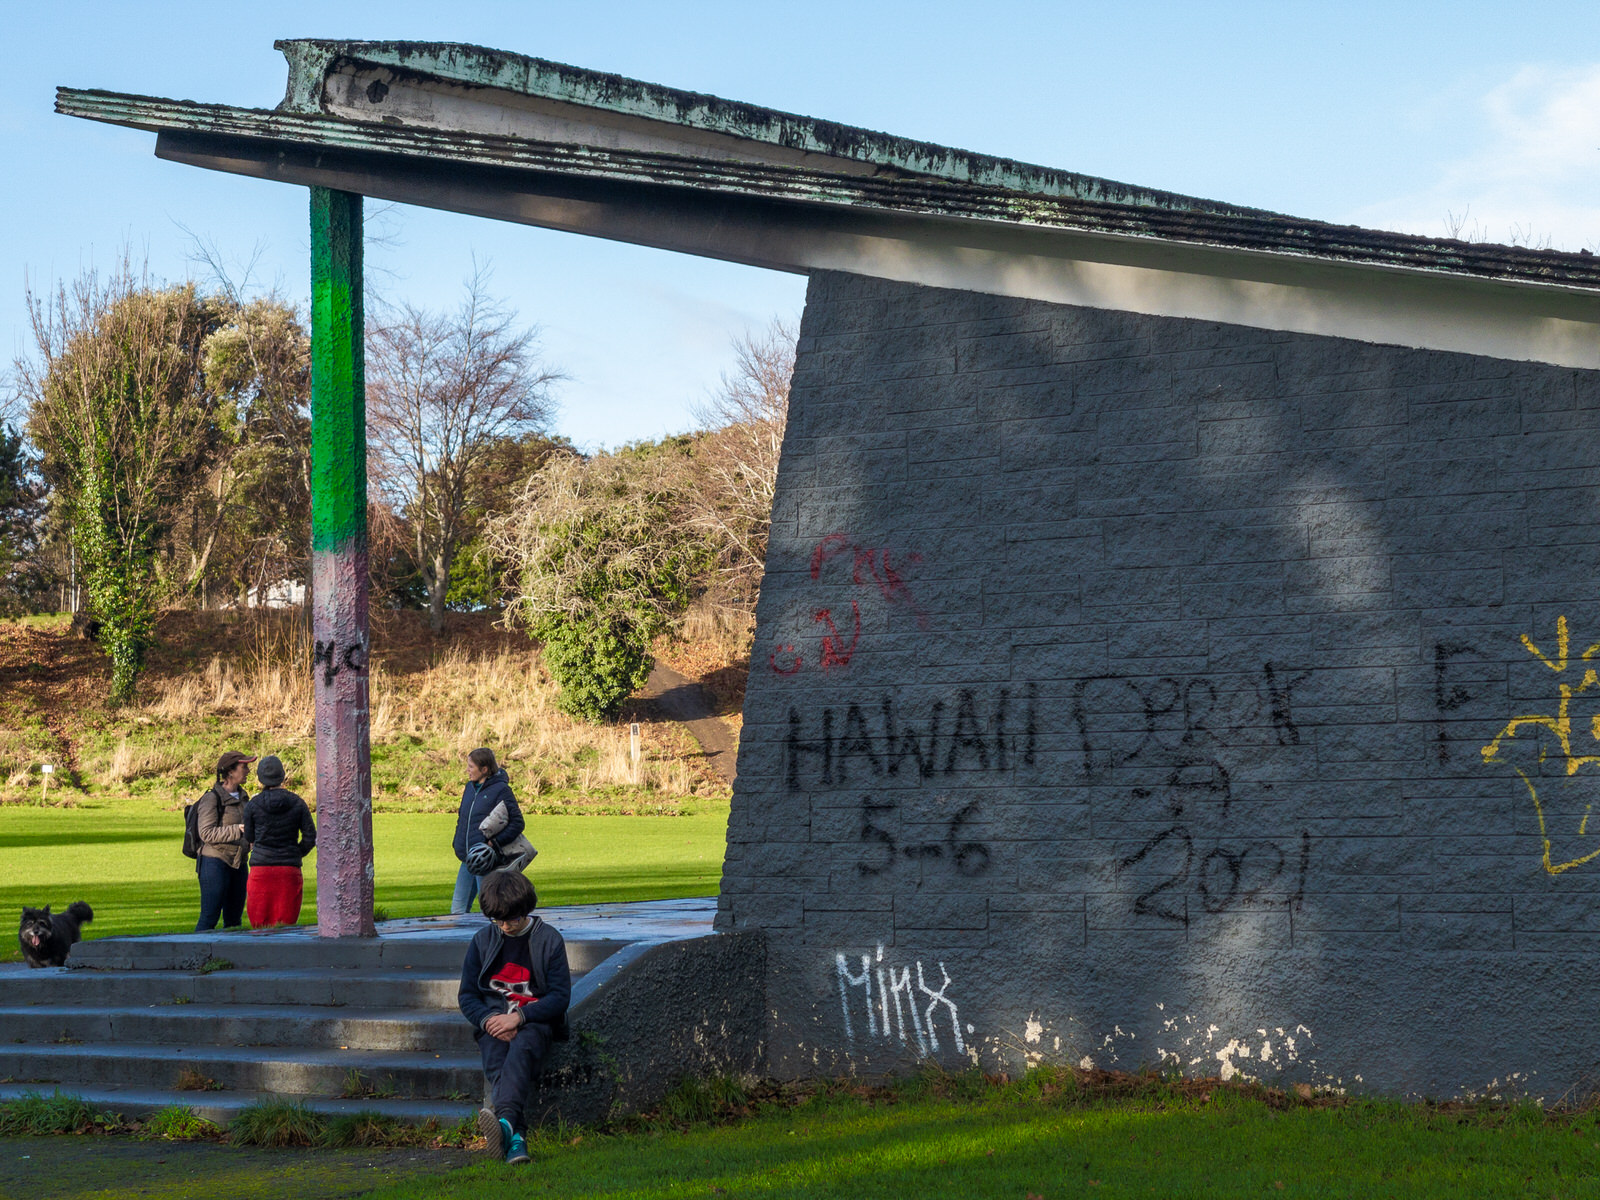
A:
[965,855]
[963,734]
[333,659]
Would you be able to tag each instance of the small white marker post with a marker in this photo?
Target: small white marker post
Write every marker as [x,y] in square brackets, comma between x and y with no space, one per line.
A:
[633,742]
[45,772]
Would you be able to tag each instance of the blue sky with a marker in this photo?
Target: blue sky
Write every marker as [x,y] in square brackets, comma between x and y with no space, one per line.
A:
[1390,115]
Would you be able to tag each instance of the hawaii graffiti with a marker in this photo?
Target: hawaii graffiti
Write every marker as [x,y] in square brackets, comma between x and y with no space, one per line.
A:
[989,735]
[926,1007]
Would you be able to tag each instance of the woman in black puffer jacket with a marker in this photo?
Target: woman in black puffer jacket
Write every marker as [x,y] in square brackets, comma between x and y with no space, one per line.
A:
[487,787]
[278,825]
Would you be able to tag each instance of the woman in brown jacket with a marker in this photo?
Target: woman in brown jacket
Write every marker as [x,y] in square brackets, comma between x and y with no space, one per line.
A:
[224,873]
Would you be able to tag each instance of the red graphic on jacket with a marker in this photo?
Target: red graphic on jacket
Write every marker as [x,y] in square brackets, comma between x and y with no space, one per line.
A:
[515,983]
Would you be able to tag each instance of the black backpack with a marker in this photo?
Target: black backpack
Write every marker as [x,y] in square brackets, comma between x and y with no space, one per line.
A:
[191,829]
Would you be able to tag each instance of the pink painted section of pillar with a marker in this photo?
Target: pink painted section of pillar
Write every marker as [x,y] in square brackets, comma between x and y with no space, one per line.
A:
[344,753]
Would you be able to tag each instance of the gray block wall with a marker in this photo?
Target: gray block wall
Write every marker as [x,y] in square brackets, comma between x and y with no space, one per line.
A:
[1122,691]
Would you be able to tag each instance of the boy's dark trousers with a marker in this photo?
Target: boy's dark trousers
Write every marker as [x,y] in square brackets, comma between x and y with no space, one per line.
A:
[511,1068]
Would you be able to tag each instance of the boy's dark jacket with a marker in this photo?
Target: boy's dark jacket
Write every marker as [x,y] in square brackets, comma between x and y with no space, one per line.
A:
[278,825]
[477,802]
[552,980]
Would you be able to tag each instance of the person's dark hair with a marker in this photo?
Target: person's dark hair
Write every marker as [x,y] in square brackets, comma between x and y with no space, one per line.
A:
[507,895]
[484,757]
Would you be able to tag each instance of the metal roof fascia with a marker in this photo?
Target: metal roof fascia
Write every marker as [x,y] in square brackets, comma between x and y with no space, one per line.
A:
[316,130]
[311,60]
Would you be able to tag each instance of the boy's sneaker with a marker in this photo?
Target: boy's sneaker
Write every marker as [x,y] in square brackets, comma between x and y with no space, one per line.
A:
[517,1151]
[496,1133]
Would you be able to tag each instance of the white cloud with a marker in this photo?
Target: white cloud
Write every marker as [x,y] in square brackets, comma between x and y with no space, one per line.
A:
[1533,176]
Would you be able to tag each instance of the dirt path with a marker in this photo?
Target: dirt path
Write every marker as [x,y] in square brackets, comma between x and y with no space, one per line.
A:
[681,699]
[102,1168]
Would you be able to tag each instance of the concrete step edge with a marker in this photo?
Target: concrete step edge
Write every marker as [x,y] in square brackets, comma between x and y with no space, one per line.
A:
[367,1060]
[135,1103]
[197,1014]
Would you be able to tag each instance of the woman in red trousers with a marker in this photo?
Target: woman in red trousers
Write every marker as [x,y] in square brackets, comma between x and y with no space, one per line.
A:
[278,826]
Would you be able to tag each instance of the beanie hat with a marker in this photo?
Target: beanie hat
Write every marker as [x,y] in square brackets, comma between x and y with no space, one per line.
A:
[270,771]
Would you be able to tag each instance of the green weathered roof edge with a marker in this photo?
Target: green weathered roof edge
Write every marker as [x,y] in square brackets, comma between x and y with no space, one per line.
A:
[889,192]
[479,66]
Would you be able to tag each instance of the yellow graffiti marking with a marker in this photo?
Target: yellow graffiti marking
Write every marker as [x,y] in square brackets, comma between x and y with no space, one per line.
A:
[1556,868]
[1561,726]
[1561,723]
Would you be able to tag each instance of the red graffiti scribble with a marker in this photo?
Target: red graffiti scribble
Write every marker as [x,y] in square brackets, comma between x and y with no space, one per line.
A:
[786,648]
[871,567]
[890,584]
[833,652]
[833,544]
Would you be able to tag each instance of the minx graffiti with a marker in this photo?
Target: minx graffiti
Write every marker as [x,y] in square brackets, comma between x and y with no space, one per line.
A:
[896,998]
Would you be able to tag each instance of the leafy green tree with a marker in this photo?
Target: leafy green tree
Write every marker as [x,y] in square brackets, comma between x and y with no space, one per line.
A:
[119,410]
[22,507]
[247,522]
[478,578]
[602,562]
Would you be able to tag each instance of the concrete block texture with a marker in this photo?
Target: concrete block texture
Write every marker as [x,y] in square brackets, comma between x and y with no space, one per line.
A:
[670,1011]
[1149,691]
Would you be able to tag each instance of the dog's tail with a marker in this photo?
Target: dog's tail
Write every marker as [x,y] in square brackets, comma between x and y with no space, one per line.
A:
[80,911]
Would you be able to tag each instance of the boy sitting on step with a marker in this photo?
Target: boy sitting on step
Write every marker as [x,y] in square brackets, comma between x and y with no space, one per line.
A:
[515,986]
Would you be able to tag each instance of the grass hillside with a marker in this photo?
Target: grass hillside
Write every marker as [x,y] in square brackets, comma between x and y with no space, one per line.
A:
[242,680]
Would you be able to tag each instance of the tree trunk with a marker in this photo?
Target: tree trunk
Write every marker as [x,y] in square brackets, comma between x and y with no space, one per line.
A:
[439,585]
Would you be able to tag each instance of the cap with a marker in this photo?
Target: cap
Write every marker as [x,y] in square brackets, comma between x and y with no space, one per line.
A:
[232,759]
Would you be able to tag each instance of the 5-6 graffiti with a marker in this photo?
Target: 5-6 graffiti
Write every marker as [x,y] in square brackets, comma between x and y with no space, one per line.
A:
[965,855]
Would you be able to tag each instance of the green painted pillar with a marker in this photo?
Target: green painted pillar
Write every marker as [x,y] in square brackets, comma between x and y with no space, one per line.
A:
[339,568]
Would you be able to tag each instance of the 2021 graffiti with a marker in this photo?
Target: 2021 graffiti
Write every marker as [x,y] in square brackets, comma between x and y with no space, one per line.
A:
[1244,874]
[1176,733]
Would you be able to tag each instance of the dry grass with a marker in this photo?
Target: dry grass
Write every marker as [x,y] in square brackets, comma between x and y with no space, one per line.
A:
[245,679]
[721,632]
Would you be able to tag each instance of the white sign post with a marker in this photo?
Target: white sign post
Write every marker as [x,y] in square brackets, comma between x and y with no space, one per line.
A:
[45,772]
[633,741]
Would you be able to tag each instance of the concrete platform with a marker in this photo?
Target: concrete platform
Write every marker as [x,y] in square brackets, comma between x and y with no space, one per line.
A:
[417,942]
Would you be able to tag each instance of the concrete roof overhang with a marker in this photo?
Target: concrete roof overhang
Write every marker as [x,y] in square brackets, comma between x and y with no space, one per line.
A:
[521,139]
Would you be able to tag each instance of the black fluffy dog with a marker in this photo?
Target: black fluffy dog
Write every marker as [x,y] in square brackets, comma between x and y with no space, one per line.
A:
[48,938]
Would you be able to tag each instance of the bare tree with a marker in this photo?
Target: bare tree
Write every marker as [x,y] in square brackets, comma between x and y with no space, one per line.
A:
[738,458]
[441,389]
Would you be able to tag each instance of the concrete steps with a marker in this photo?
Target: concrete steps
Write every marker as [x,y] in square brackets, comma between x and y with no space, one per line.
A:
[285,1070]
[431,951]
[347,1025]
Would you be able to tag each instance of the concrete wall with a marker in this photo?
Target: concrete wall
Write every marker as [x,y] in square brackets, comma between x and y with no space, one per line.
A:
[1121,695]
[650,1016]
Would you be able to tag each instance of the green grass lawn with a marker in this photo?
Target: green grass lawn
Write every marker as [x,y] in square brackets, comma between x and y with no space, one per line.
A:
[1015,1145]
[124,858]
